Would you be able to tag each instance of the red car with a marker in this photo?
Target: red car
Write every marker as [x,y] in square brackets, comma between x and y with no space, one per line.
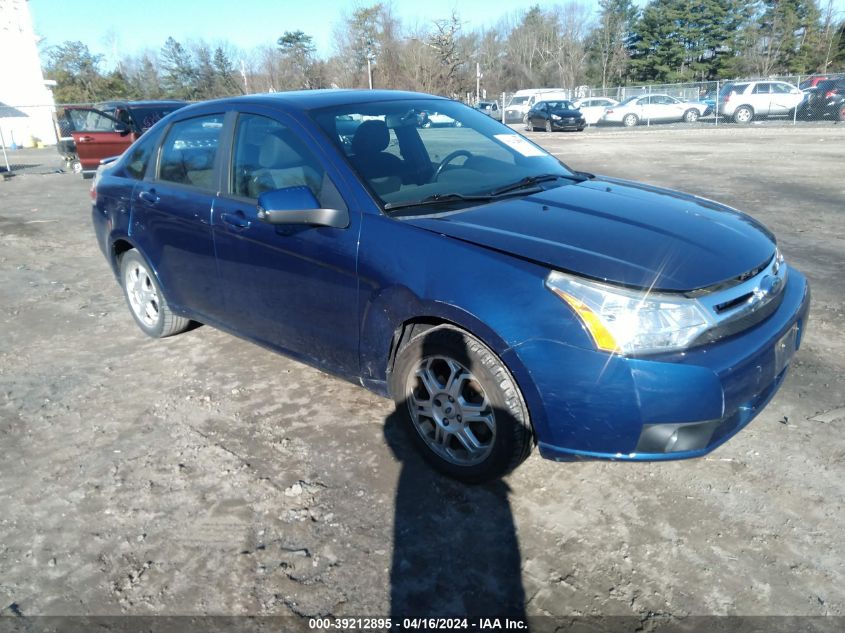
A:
[90,134]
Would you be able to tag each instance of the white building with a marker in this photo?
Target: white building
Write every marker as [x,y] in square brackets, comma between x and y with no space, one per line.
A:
[26,103]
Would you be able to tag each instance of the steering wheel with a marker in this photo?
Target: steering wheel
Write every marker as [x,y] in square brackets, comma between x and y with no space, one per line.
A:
[448,159]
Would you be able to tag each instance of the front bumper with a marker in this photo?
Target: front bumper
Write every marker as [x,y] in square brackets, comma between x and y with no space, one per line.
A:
[567,124]
[591,405]
[514,116]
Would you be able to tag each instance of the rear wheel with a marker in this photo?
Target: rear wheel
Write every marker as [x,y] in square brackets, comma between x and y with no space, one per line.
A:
[463,409]
[630,120]
[743,114]
[145,299]
[841,113]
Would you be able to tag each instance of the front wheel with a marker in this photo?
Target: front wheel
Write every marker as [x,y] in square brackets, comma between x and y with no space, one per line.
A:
[462,407]
[691,115]
[145,299]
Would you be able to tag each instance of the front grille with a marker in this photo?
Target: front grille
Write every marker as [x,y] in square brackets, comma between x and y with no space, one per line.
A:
[747,301]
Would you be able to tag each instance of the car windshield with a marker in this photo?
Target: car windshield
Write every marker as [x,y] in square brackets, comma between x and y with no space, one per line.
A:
[404,159]
[518,100]
[560,105]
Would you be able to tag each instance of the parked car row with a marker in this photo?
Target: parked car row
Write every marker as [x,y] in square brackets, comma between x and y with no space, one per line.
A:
[738,101]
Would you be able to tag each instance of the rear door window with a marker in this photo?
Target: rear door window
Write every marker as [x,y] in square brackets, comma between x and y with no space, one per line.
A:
[189,151]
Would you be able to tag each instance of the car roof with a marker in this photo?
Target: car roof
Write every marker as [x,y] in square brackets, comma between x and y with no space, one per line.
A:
[305,100]
[141,104]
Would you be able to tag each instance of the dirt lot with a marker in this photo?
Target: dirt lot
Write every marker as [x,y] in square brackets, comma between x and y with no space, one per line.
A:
[204,475]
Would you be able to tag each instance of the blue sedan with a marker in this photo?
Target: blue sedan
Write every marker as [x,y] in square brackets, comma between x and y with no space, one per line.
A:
[501,298]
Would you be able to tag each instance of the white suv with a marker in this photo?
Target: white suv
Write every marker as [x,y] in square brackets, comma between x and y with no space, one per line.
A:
[745,100]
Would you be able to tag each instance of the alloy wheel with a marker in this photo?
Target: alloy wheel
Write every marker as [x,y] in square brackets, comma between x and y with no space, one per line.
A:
[450,411]
[142,294]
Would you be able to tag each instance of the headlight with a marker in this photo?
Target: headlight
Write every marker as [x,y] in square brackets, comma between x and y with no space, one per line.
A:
[631,321]
[556,117]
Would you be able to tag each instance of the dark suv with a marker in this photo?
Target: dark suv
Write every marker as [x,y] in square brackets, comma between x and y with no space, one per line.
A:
[824,101]
[91,133]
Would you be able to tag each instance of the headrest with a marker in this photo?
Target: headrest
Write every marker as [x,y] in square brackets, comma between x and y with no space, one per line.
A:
[371,137]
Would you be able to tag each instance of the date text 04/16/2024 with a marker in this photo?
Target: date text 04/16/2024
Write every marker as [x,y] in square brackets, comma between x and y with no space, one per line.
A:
[415,624]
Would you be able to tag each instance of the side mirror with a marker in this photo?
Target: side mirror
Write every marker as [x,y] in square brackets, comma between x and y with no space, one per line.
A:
[122,128]
[297,205]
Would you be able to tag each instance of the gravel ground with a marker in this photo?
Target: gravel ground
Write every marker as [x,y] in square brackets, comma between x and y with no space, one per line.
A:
[203,475]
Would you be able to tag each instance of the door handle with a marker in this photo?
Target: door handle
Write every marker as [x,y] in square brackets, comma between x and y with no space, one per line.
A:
[149,196]
[86,139]
[237,220]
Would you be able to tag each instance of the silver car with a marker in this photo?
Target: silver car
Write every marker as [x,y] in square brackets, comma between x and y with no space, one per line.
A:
[593,107]
[654,107]
[744,100]
[490,108]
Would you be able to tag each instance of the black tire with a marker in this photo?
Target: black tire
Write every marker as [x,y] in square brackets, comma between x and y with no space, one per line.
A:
[152,313]
[511,441]
[691,115]
[630,120]
[743,114]
[840,114]
[548,126]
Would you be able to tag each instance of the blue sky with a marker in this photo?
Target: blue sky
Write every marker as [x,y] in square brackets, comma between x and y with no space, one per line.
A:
[247,24]
[147,23]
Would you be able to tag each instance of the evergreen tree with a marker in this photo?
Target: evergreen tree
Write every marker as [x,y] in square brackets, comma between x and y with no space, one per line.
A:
[179,76]
[298,50]
[681,40]
[76,73]
[224,72]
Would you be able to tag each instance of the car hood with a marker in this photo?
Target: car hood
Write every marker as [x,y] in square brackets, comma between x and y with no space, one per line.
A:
[617,231]
[565,112]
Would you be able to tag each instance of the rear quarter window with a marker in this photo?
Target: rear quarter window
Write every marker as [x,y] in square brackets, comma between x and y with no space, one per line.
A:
[139,155]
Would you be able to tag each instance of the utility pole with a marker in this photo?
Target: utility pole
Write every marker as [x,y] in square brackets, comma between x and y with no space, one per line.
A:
[478,76]
[243,74]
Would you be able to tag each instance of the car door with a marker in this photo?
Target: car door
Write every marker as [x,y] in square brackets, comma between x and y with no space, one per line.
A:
[664,108]
[540,114]
[784,98]
[294,287]
[761,98]
[645,108]
[172,210]
[97,135]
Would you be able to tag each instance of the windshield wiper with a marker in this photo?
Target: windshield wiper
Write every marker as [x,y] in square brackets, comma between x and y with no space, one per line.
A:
[437,198]
[531,181]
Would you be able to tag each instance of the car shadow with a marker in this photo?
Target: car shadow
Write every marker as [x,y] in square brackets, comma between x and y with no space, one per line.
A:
[455,548]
